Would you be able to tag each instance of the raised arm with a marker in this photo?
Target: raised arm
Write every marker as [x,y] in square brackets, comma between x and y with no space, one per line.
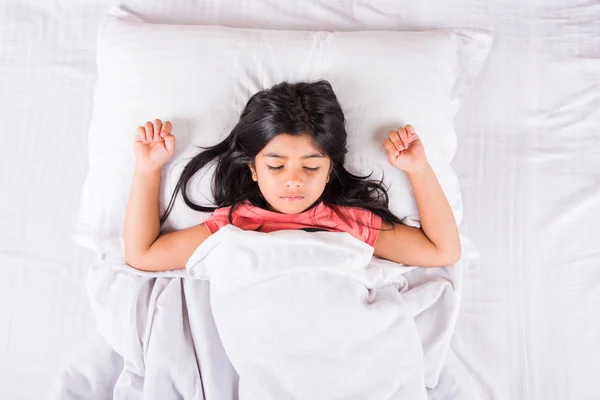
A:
[437,243]
[142,219]
[144,248]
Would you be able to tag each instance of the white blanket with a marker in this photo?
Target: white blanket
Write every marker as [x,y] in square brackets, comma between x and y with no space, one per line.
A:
[292,314]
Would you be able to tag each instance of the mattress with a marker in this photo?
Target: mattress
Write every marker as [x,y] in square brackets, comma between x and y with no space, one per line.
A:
[528,160]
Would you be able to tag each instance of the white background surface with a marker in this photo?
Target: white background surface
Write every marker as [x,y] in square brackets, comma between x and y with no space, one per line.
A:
[528,160]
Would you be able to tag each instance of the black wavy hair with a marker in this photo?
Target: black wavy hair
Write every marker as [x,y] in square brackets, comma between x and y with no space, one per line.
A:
[301,108]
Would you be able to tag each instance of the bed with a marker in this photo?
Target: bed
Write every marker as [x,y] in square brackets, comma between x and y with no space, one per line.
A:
[527,159]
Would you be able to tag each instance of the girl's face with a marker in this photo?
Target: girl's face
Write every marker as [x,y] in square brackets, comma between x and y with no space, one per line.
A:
[291,173]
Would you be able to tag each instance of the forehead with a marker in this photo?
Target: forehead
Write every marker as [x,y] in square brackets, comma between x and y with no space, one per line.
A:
[291,146]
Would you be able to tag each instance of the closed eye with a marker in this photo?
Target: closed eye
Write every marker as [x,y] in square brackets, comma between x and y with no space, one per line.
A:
[280,167]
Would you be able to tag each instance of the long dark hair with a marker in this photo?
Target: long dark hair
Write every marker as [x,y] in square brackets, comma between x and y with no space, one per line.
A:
[296,109]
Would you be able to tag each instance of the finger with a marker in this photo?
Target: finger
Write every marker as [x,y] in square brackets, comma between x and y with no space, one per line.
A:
[157,128]
[390,148]
[394,139]
[149,129]
[140,133]
[410,133]
[166,129]
[403,137]
[170,143]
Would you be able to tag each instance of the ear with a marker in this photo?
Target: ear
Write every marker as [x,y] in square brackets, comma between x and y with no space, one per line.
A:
[254,177]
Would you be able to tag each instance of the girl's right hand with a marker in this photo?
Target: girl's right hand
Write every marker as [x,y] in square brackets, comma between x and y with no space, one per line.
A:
[153,145]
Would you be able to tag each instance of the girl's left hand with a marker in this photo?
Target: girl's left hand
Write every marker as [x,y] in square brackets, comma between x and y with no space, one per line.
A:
[405,150]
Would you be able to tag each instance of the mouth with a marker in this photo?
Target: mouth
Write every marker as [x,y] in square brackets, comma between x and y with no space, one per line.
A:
[292,198]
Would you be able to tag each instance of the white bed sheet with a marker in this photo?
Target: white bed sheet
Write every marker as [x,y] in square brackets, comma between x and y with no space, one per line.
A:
[528,161]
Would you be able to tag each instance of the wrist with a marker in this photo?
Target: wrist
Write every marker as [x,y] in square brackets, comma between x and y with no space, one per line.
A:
[147,171]
[419,170]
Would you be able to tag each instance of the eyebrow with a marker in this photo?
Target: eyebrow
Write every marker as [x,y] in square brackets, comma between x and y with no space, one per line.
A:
[314,155]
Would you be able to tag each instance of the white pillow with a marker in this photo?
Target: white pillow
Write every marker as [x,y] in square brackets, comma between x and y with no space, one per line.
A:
[200,78]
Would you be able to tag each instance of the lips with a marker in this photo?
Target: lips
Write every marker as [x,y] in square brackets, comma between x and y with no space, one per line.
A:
[292,197]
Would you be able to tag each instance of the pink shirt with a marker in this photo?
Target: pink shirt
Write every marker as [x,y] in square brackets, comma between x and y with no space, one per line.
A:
[321,217]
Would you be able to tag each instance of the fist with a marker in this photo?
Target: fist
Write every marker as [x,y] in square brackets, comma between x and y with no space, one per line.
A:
[153,145]
[405,150]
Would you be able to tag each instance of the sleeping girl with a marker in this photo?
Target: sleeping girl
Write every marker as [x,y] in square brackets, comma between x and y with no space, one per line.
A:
[282,167]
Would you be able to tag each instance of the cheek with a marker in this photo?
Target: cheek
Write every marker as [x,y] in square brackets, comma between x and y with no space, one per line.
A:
[325,174]
[317,182]
[267,181]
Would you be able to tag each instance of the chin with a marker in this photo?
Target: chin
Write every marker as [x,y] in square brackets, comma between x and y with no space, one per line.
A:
[285,207]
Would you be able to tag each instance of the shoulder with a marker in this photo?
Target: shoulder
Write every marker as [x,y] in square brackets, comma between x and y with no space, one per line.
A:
[361,222]
[242,217]
[218,219]
[356,214]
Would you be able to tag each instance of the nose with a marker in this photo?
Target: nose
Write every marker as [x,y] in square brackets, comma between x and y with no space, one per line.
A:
[293,179]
